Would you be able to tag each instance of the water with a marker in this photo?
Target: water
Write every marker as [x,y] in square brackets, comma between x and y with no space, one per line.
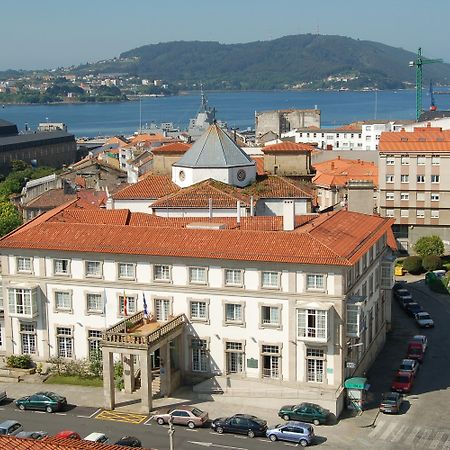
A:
[236,108]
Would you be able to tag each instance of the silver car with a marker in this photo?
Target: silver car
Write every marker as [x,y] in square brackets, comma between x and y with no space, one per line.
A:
[10,427]
[409,365]
[292,431]
[424,320]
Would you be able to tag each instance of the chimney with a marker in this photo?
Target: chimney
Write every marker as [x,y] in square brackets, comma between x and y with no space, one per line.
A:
[210,210]
[288,215]
[238,212]
[252,212]
[332,165]
[360,196]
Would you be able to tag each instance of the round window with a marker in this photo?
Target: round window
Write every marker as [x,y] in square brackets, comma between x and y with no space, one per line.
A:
[241,175]
[182,175]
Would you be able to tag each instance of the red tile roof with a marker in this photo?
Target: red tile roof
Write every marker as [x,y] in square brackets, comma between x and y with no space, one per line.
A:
[50,199]
[53,443]
[175,147]
[289,147]
[259,160]
[93,216]
[421,140]
[332,239]
[149,188]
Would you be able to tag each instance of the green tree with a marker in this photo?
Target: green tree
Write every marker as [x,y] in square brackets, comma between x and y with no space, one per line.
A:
[429,245]
[9,217]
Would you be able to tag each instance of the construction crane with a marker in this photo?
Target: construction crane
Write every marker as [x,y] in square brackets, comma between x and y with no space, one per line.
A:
[418,63]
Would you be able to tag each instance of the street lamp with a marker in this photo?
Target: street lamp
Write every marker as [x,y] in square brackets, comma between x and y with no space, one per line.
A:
[171,433]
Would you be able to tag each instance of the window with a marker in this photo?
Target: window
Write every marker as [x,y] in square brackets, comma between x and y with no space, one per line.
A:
[420,213]
[61,266]
[234,357]
[404,178]
[95,303]
[63,301]
[435,178]
[435,160]
[197,275]
[420,196]
[434,197]
[270,355]
[435,214]
[315,362]
[28,338]
[126,271]
[315,282]
[389,196]
[199,355]
[64,340]
[404,213]
[22,301]
[389,178]
[24,264]
[405,160]
[93,269]
[390,160]
[421,178]
[421,160]
[234,313]
[389,213]
[161,272]
[312,323]
[270,315]
[127,305]
[354,324]
[198,310]
[162,309]
[270,280]
[233,277]
[404,196]
[94,338]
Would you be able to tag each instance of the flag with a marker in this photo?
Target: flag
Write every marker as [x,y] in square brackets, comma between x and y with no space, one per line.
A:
[124,304]
[145,306]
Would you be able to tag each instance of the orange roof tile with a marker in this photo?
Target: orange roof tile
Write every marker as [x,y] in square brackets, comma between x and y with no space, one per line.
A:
[175,147]
[259,160]
[50,199]
[151,187]
[93,216]
[145,138]
[290,147]
[421,140]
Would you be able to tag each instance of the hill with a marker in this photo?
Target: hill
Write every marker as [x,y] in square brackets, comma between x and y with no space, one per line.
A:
[303,61]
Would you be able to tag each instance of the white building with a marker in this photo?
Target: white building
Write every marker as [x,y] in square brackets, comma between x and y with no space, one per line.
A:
[296,310]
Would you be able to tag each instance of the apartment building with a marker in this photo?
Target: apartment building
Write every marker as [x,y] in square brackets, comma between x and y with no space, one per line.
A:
[414,188]
[295,310]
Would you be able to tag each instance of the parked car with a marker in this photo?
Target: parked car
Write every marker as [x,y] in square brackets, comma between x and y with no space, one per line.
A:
[240,424]
[299,432]
[37,435]
[420,338]
[129,441]
[413,308]
[409,365]
[44,401]
[3,396]
[97,437]
[403,296]
[400,284]
[424,320]
[182,415]
[68,434]
[402,382]
[306,412]
[415,351]
[391,402]
[10,427]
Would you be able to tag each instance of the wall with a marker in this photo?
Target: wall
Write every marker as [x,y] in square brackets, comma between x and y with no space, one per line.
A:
[288,163]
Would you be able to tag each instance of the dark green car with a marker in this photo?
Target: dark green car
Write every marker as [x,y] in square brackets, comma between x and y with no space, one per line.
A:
[305,412]
[42,401]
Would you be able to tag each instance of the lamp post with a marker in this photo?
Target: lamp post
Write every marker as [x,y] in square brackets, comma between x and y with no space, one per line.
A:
[171,433]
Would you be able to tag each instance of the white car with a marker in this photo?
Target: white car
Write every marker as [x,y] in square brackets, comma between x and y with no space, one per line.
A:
[409,365]
[97,437]
[424,320]
[421,339]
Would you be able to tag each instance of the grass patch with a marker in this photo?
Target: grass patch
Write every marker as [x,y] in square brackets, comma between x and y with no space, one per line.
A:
[73,379]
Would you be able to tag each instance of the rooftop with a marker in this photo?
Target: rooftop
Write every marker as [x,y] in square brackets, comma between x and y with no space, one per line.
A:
[175,147]
[422,139]
[289,147]
[150,187]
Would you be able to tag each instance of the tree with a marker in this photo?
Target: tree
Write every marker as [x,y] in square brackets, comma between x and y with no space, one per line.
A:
[413,264]
[9,217]
[429,245]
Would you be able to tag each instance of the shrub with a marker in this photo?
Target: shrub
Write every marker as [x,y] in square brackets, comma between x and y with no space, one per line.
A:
[429,245]
[118,375]
[19,361]
[413,264]
[431,262]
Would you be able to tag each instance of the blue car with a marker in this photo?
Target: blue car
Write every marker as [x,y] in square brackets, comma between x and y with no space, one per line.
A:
[292,431]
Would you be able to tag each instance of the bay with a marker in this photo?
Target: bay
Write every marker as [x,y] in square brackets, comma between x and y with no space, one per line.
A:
[236,108]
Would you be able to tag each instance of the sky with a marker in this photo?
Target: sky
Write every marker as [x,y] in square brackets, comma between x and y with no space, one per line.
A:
[45,34]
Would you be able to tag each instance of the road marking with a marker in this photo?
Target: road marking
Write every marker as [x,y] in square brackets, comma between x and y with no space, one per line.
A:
[388,430]
[210,444]
[411,436]
[116,416]
[437,439]
[190,429]
[424,439]
[60,414]
[39,412]
[398,434]
[147,422]
[92,415]
[2,409]
[378,428]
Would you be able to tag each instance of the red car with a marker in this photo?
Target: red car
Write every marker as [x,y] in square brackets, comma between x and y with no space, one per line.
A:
[67,434]
[403,382]
[415,351]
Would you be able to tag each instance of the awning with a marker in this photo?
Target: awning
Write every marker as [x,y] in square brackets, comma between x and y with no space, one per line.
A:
[356,383]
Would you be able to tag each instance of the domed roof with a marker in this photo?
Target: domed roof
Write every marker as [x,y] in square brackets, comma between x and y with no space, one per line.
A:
[214,149]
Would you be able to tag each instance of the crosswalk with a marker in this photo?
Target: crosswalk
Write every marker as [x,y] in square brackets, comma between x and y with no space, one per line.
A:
[410,436]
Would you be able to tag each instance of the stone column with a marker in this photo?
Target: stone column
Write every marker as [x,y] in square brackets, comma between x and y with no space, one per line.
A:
[108,379]
[167,375]
[146,381]
[181,355]
[128,373]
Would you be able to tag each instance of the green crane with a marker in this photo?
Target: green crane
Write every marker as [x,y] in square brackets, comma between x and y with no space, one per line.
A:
[418,63]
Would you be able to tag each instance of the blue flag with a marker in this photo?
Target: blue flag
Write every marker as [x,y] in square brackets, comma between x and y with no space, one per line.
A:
[145,306]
